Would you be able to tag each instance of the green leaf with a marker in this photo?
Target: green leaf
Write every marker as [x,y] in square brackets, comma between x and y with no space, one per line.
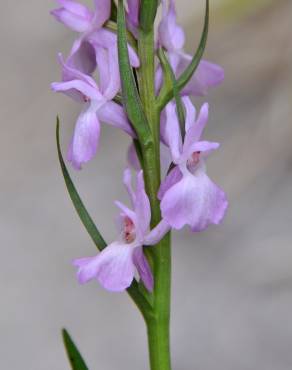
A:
[74,356]
[169,77]
[131,98]
[148,10]
[184,78]
[78,204]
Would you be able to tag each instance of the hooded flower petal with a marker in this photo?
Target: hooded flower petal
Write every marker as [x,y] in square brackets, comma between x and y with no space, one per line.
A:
[171,35]
[102,12]
[74,15]
[142,206]
[143,268]
[172,131]
[195,201]
[82,57]
[113,268]
[85,138]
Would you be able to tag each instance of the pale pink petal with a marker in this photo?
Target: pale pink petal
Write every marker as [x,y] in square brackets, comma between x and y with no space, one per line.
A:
[203,147]
[157,233]
[143,268]
[132,158]
[76,8]
[171,35]
[190,114]
[85,139]
[195,131]
[113,268]
[77,85]
[113,114]
[127,180]
[142,206]
[73,21]
[102,12]
[82,56]
[172,178]
[195,201]
[172,131]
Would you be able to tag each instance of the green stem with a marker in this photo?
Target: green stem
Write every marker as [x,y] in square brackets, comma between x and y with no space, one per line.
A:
[160,255]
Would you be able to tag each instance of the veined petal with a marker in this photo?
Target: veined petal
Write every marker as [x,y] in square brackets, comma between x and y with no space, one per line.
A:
[172,178]
[127,180]
[172,131]
[85,139]
[171,35]
[190,112]
[142,206]
[207,75]
[108,68]
[113,114]
[102,12]
[76,8]
[195,201]
[143,268]
[157,233]
[73,21]
[194,133]
[81,86]
[82,56]
[204,147]
[113,268]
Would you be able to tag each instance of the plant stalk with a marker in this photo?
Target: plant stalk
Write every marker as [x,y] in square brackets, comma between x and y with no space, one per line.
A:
[160,255]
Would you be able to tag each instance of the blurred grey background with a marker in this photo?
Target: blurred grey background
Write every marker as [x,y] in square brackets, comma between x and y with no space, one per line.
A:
[232,285]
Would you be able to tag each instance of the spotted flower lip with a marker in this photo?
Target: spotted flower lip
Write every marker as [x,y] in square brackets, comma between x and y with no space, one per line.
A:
[114,268]
[188,196]
[97,107]
[172,38]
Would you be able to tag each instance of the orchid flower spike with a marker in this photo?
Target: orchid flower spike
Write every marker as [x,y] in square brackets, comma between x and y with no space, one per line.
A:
[98,106]
[188,196]
[114,268]
[172,38]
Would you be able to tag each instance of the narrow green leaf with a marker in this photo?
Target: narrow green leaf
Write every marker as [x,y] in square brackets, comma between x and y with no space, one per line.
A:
[169,76]
[74,356]
[131,98]
[148,10]
[184,78]
[78,204]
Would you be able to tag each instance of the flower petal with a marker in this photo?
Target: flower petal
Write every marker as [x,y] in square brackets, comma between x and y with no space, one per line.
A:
[190,112]
[132,158]
[157,233]
[113,114]
[127,180]
[82,56]
[143,268]
[73,21]
[113,267]
[142,207]
[76,85]
[194,133]
[195,201]
[85,139]
[102,12]
[172,131]
[206,76]
[75,8]
[172,178]
[171,35]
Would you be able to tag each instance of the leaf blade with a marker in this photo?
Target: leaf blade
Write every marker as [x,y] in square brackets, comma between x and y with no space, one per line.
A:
[74,356]
[76,200]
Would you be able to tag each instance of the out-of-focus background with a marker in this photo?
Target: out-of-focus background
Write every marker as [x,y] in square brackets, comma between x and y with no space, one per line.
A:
[232,285]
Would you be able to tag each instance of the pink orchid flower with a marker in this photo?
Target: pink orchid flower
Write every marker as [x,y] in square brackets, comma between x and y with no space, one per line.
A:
[188,196]
[98,107]
[172,38]
[114,268]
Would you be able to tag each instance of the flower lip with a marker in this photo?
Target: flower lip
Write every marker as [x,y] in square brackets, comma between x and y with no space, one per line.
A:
[129,232]
[193,161]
